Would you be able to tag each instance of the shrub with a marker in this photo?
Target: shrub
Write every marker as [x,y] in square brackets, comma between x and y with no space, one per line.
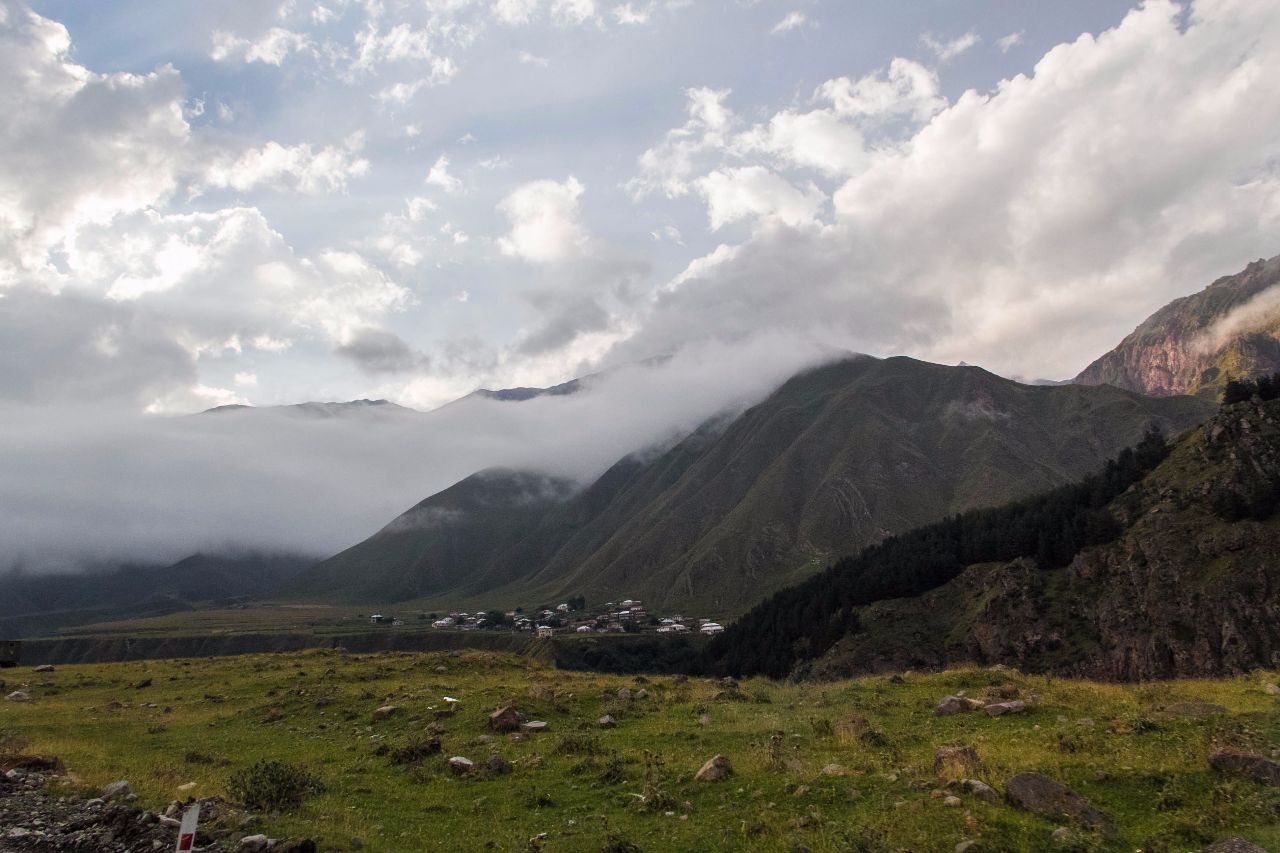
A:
[273,785]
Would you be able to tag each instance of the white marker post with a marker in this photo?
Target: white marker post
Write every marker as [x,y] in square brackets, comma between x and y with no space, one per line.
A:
[187,831]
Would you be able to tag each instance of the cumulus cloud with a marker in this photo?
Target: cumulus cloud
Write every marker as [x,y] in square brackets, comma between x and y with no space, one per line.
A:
[297,167]
[753,191]
[1024,228]
[669,166]
[439,176]
[545,225]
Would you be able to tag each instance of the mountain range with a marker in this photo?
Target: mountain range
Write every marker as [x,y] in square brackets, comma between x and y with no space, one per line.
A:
[839,457]
[1175,572]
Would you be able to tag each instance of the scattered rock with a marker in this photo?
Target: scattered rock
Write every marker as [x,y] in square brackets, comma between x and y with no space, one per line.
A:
[956,762]
[461,766]
[718,767]
[19,696]
[1257,768]
[187,786]
[607,722]
[1013,706]
[642,694]
[416,751]
[1061,835]
[541,693]
[497,765]
[956,705]
[253,844]
[505,719]
[116,789]
[534,726]
[952,802]
[624,693]
[979,789]
[386,712]
[44,667]
[1041,795]
[1233,845]
[1271,689]
[143,684]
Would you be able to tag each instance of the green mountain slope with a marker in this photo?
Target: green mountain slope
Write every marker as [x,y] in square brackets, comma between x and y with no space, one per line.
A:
[837,458]
[32,605]
[1187,584]
[1194,344]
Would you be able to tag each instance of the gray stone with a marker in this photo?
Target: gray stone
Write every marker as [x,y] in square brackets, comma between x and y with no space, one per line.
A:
[461,766]
[1047,797]
[534,726]
[116,789]
[956,762]
[44,667]
[999,709]
[253,844]
[19,696]
[718,767]
[608,722]
[505,719]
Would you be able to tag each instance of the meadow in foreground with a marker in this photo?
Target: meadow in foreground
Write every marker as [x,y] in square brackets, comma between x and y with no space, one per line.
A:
[846,765]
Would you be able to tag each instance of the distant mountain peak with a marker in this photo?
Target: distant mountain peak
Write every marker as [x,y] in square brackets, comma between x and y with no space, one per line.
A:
[1194,344]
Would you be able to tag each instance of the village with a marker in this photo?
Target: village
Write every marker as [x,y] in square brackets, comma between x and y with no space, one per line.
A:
[571,617]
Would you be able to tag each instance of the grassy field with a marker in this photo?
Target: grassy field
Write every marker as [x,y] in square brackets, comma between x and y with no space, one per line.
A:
[593,789]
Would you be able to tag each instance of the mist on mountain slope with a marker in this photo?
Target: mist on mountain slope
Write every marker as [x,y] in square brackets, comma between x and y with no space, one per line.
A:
[81,488]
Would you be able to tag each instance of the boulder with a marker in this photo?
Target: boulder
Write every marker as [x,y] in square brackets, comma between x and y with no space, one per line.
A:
[19,696]
[718,767]
[1270,688]
[386,712]
[1047,797]
[999,709]
[253,844]
[624,693]
[952,802]
[534,726]
[642,694]
[1258,768]
[44,667]
[116,789]
[505,719]
[497,765]
[460,766]
[956,762]
[607,722]
[1234,845]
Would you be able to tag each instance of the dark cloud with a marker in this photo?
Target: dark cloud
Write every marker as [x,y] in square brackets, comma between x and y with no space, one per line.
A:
[377,351]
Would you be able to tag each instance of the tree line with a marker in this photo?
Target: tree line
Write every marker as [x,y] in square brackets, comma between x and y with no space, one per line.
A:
[804,621]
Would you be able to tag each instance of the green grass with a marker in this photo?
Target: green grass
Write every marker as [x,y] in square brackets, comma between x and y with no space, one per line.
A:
[1149,773]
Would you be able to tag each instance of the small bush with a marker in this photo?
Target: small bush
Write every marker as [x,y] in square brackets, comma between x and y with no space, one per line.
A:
[273,785]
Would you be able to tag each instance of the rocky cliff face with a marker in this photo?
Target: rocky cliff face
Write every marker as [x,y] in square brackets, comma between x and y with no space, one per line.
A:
[1193,344]
[1183,592]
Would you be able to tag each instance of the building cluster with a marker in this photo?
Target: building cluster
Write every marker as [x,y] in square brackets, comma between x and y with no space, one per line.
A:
[629,616]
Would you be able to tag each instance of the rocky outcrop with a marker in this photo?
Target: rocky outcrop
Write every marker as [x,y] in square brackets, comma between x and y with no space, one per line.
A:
[1231,328]
[1182,592]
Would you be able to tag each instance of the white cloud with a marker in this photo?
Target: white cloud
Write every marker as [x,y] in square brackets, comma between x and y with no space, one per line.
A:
[1010,41]
[668,166]
[272,48]
[290,167]
[246,379]
[530,59]
[630,13]
[545,225]
[1026,229]
[439,176]
[946,50]
[753,191]
[792,21]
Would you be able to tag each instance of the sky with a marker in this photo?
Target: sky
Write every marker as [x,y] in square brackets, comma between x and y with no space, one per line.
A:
[275,201]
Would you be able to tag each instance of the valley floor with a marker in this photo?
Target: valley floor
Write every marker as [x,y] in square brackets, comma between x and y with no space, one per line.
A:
[838,766]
